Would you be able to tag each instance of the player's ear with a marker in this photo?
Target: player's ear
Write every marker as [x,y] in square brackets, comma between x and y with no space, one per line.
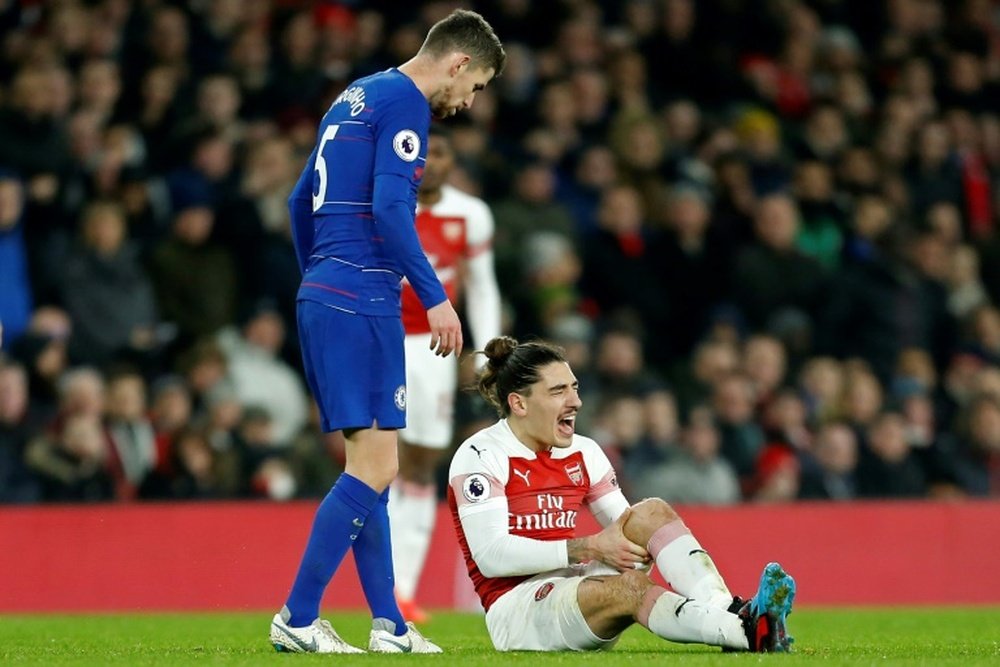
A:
[459,61]
[517,405]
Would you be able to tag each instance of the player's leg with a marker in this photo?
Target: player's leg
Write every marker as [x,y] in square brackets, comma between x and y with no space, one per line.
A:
[690,571]
[612,603]
[412,514]
[342,513]
[431,383]
[372,455]
[543,614]
[569,610]
[679,557]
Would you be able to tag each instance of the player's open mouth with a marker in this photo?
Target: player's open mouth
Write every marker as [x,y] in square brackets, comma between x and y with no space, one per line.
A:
[566,426]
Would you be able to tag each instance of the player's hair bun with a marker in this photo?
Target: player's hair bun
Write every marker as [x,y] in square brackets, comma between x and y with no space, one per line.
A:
[499,349]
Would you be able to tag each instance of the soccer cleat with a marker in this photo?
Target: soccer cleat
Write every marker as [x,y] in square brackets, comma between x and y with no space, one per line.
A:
[382,639]
[412,611]
[764,614]
[317,637]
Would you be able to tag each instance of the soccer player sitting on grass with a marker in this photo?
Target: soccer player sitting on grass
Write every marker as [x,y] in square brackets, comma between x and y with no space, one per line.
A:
[515,491]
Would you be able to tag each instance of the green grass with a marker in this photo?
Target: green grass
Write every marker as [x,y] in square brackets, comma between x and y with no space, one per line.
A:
[904,636]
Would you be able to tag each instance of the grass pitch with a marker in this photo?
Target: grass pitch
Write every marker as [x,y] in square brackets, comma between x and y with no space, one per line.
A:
[898,636]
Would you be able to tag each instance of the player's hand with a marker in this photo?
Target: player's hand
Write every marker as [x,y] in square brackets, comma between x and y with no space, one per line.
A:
[446,329]
[612,547]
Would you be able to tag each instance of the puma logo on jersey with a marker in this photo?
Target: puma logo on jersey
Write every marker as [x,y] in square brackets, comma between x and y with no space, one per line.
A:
[523,475]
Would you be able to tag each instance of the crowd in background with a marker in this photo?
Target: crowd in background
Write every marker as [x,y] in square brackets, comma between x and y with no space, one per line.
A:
[765,233]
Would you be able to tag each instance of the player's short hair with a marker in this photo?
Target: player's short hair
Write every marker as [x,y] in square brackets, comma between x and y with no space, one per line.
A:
[468,32]
[513,367]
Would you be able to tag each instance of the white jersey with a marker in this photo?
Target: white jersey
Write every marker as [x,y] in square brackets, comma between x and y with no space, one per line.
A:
[514,509]
[456,234]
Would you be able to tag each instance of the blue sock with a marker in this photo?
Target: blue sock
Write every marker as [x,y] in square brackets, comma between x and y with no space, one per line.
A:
[373,556]
[338,523]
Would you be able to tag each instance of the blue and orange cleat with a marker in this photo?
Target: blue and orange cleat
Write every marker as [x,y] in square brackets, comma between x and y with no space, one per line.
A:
[764,614]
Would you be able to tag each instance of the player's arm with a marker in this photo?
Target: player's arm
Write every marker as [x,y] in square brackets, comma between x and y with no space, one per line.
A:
[394,217]
[498,553]
[604,497]
[300,211]
[400,129]
[482,294]
[397,137]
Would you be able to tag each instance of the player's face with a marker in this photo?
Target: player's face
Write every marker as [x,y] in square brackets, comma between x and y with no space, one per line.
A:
[548,418]
[440,160]
[460,91]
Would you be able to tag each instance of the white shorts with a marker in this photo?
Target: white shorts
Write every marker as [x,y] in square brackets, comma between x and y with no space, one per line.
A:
[430,394]
[543,613]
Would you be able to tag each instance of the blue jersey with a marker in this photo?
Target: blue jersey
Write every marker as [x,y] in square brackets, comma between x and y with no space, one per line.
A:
[353,207]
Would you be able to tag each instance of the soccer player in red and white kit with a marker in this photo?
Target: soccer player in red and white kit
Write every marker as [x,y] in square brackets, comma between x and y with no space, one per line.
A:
[516,489]
[456,233]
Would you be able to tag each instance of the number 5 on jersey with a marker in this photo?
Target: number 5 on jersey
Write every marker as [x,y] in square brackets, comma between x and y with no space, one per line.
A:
[328,134]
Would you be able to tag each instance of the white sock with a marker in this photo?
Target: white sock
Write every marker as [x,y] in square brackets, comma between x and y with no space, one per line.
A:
[686,566]
[685,620]
[412,509]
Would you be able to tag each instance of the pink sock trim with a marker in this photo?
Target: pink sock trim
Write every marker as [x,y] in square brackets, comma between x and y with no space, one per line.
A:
[665,535]
[415,490]
[646,606]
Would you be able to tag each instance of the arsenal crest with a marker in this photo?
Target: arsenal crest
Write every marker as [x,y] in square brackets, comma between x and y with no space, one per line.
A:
[575,472]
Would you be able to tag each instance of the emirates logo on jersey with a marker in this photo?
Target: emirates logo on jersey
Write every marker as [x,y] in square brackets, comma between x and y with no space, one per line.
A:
[575,472]
[550,515]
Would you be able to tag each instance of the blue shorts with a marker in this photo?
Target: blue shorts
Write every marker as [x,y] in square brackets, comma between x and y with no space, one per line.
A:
[355,367]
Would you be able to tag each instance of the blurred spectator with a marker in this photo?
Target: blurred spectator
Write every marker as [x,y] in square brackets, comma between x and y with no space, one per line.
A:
[776,476]
[832,473]
[133,451]
[71,462]
[15,288]
[761,284]
[106,291]
[933,174]
[742,437]
[977,461]
[822,383]
[712,361]
[882,305]
[17,484]
[888,468]
[691,265]
[195,279]
[619,263]
[42,350]
[548,292]
[191,473]
[32,139]
[822,218]
[965,289]
[266,471]
[765,363]
[259,376]
[697,474]
[531,208]
[170,411]
[619,363]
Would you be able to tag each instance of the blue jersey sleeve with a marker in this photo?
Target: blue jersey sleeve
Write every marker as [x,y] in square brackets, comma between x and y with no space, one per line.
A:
[400,149]
[300,209]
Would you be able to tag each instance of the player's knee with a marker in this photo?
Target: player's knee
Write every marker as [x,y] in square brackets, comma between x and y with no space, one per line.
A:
[646,517]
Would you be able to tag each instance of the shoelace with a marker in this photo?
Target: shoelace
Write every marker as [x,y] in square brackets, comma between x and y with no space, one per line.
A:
[327,629]
[415,636]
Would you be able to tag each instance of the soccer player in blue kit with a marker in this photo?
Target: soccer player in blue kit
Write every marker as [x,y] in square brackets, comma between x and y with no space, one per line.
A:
[353,227]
